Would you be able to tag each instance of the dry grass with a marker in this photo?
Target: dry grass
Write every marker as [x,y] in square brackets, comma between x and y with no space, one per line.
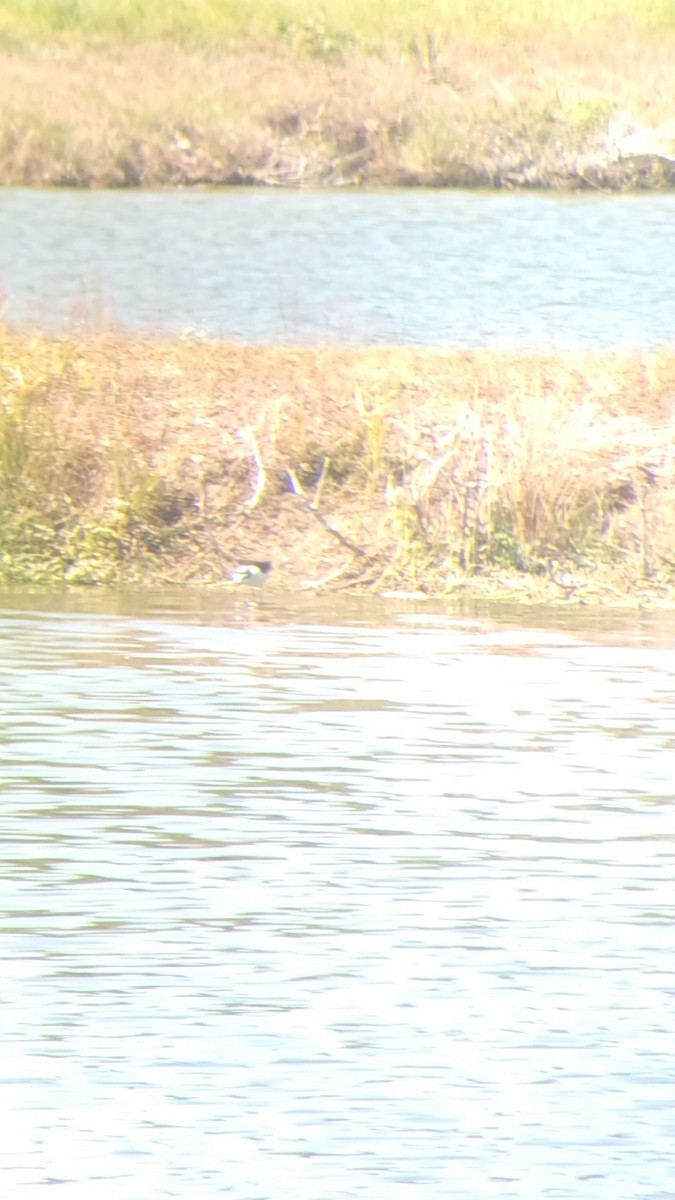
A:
[124,458]
[538,110]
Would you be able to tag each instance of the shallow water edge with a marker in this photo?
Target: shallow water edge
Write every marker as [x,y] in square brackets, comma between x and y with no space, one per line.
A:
[334,896]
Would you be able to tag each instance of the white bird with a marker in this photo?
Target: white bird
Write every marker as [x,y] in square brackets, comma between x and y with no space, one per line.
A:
[255,574]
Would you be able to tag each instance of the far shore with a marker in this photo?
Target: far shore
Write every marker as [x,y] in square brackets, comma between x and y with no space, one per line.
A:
[313,102]
[539,478]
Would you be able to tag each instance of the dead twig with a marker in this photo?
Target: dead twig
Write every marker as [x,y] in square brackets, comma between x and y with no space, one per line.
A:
[315,584]
[341,537]
[296,486]
[313,507]
[249,437]
[319,487]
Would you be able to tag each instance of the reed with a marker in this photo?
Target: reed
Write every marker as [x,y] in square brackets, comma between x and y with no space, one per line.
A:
[129,459]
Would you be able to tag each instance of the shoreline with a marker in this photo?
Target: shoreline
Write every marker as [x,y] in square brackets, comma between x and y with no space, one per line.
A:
[307,111]
[536,478]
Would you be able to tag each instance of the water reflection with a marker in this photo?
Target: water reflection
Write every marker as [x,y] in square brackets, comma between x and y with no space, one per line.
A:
[374,901]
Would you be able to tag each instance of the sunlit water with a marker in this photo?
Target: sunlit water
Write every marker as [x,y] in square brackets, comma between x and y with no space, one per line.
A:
[335,900]
[423,267]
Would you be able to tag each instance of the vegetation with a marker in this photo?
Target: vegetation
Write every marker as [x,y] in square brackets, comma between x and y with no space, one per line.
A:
[447,92]
[129,459]
[372,22]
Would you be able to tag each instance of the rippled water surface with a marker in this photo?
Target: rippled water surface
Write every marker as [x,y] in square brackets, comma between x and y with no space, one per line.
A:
[330,900]
[421,267]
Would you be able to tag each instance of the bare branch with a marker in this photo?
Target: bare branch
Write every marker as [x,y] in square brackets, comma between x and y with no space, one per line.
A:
[319,487]
[341,537]
[296,486]
[249,437]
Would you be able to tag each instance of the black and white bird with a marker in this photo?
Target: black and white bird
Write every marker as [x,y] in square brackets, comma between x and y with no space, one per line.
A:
[255,574]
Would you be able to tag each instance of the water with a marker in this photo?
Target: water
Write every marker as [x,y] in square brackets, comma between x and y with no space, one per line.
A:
[422,267]
[345,900]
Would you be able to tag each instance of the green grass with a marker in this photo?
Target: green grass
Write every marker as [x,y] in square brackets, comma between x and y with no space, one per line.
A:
[372,22]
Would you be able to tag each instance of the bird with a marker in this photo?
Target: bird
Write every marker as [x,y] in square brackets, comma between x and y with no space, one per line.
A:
[255,574]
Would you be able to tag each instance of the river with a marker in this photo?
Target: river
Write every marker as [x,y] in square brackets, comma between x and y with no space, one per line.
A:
[340,898]
[422,267]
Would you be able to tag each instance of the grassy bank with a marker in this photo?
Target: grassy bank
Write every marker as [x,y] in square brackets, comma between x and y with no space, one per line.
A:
[124,459]
[370,21]
[463,92]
